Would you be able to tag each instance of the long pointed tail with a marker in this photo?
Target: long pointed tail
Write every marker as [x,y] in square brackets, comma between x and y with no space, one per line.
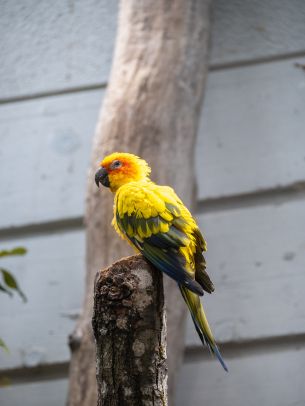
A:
[201,323]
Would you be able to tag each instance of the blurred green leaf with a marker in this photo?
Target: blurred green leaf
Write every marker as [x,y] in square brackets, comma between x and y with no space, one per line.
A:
[9,279]
[11,283]
[14,251]
[3,345]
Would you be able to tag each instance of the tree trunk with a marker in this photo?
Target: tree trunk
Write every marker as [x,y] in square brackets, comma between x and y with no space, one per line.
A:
[151,109]
[130,331]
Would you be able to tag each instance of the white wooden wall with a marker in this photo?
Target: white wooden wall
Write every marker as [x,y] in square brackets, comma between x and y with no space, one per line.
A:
[251,176]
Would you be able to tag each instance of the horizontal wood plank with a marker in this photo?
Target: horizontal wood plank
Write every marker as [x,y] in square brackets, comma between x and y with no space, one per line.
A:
[271,378]
[249,140]
[44,155]
[255,258]
[52,276]
[275,378]
[251,135]
[254,29]
[76,40]
[35,394]
[58,45]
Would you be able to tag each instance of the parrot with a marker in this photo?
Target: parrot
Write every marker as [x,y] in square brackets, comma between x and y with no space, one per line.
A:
[154,220]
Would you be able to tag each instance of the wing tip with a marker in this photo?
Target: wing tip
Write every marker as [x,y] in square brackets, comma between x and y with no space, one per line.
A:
[194,286]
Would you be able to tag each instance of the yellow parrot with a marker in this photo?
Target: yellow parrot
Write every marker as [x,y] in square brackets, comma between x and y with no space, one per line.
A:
[155,222]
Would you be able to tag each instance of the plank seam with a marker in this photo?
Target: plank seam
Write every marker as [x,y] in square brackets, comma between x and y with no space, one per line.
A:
[265,197]
[245,348]
[53,93]
[256,61]
[48,227]
[273,196]
[231,350]
[98,86]
[41,373]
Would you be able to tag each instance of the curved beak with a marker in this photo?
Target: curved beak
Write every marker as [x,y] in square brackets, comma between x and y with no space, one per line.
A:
[101,176]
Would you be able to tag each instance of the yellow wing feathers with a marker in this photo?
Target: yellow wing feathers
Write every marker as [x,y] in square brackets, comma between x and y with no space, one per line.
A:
[159,206]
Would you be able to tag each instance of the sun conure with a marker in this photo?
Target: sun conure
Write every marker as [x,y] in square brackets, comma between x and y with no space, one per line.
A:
[156,222]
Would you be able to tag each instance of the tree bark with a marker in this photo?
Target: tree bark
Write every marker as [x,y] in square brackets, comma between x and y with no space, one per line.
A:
[130,332]
[151,109]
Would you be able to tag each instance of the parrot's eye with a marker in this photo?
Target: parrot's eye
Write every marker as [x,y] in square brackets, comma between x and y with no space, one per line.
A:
[116,164]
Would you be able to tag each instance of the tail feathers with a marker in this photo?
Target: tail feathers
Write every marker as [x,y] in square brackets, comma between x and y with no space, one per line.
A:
[220,359]
[201,323]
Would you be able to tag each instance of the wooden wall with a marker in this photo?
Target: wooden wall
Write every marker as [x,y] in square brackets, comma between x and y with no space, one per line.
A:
[251,186]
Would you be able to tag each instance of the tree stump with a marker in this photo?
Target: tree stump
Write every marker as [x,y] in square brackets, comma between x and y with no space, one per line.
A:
[130,332]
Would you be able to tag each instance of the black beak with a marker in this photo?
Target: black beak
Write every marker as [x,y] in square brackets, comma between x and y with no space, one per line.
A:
[101,176]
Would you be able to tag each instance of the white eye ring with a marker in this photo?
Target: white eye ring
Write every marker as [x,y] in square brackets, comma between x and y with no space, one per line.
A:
[116,164]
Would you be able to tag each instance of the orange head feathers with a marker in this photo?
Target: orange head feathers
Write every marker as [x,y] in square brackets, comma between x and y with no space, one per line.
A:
[120,168]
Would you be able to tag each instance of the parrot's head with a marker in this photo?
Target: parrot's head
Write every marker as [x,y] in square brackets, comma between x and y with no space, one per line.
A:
[120,168]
